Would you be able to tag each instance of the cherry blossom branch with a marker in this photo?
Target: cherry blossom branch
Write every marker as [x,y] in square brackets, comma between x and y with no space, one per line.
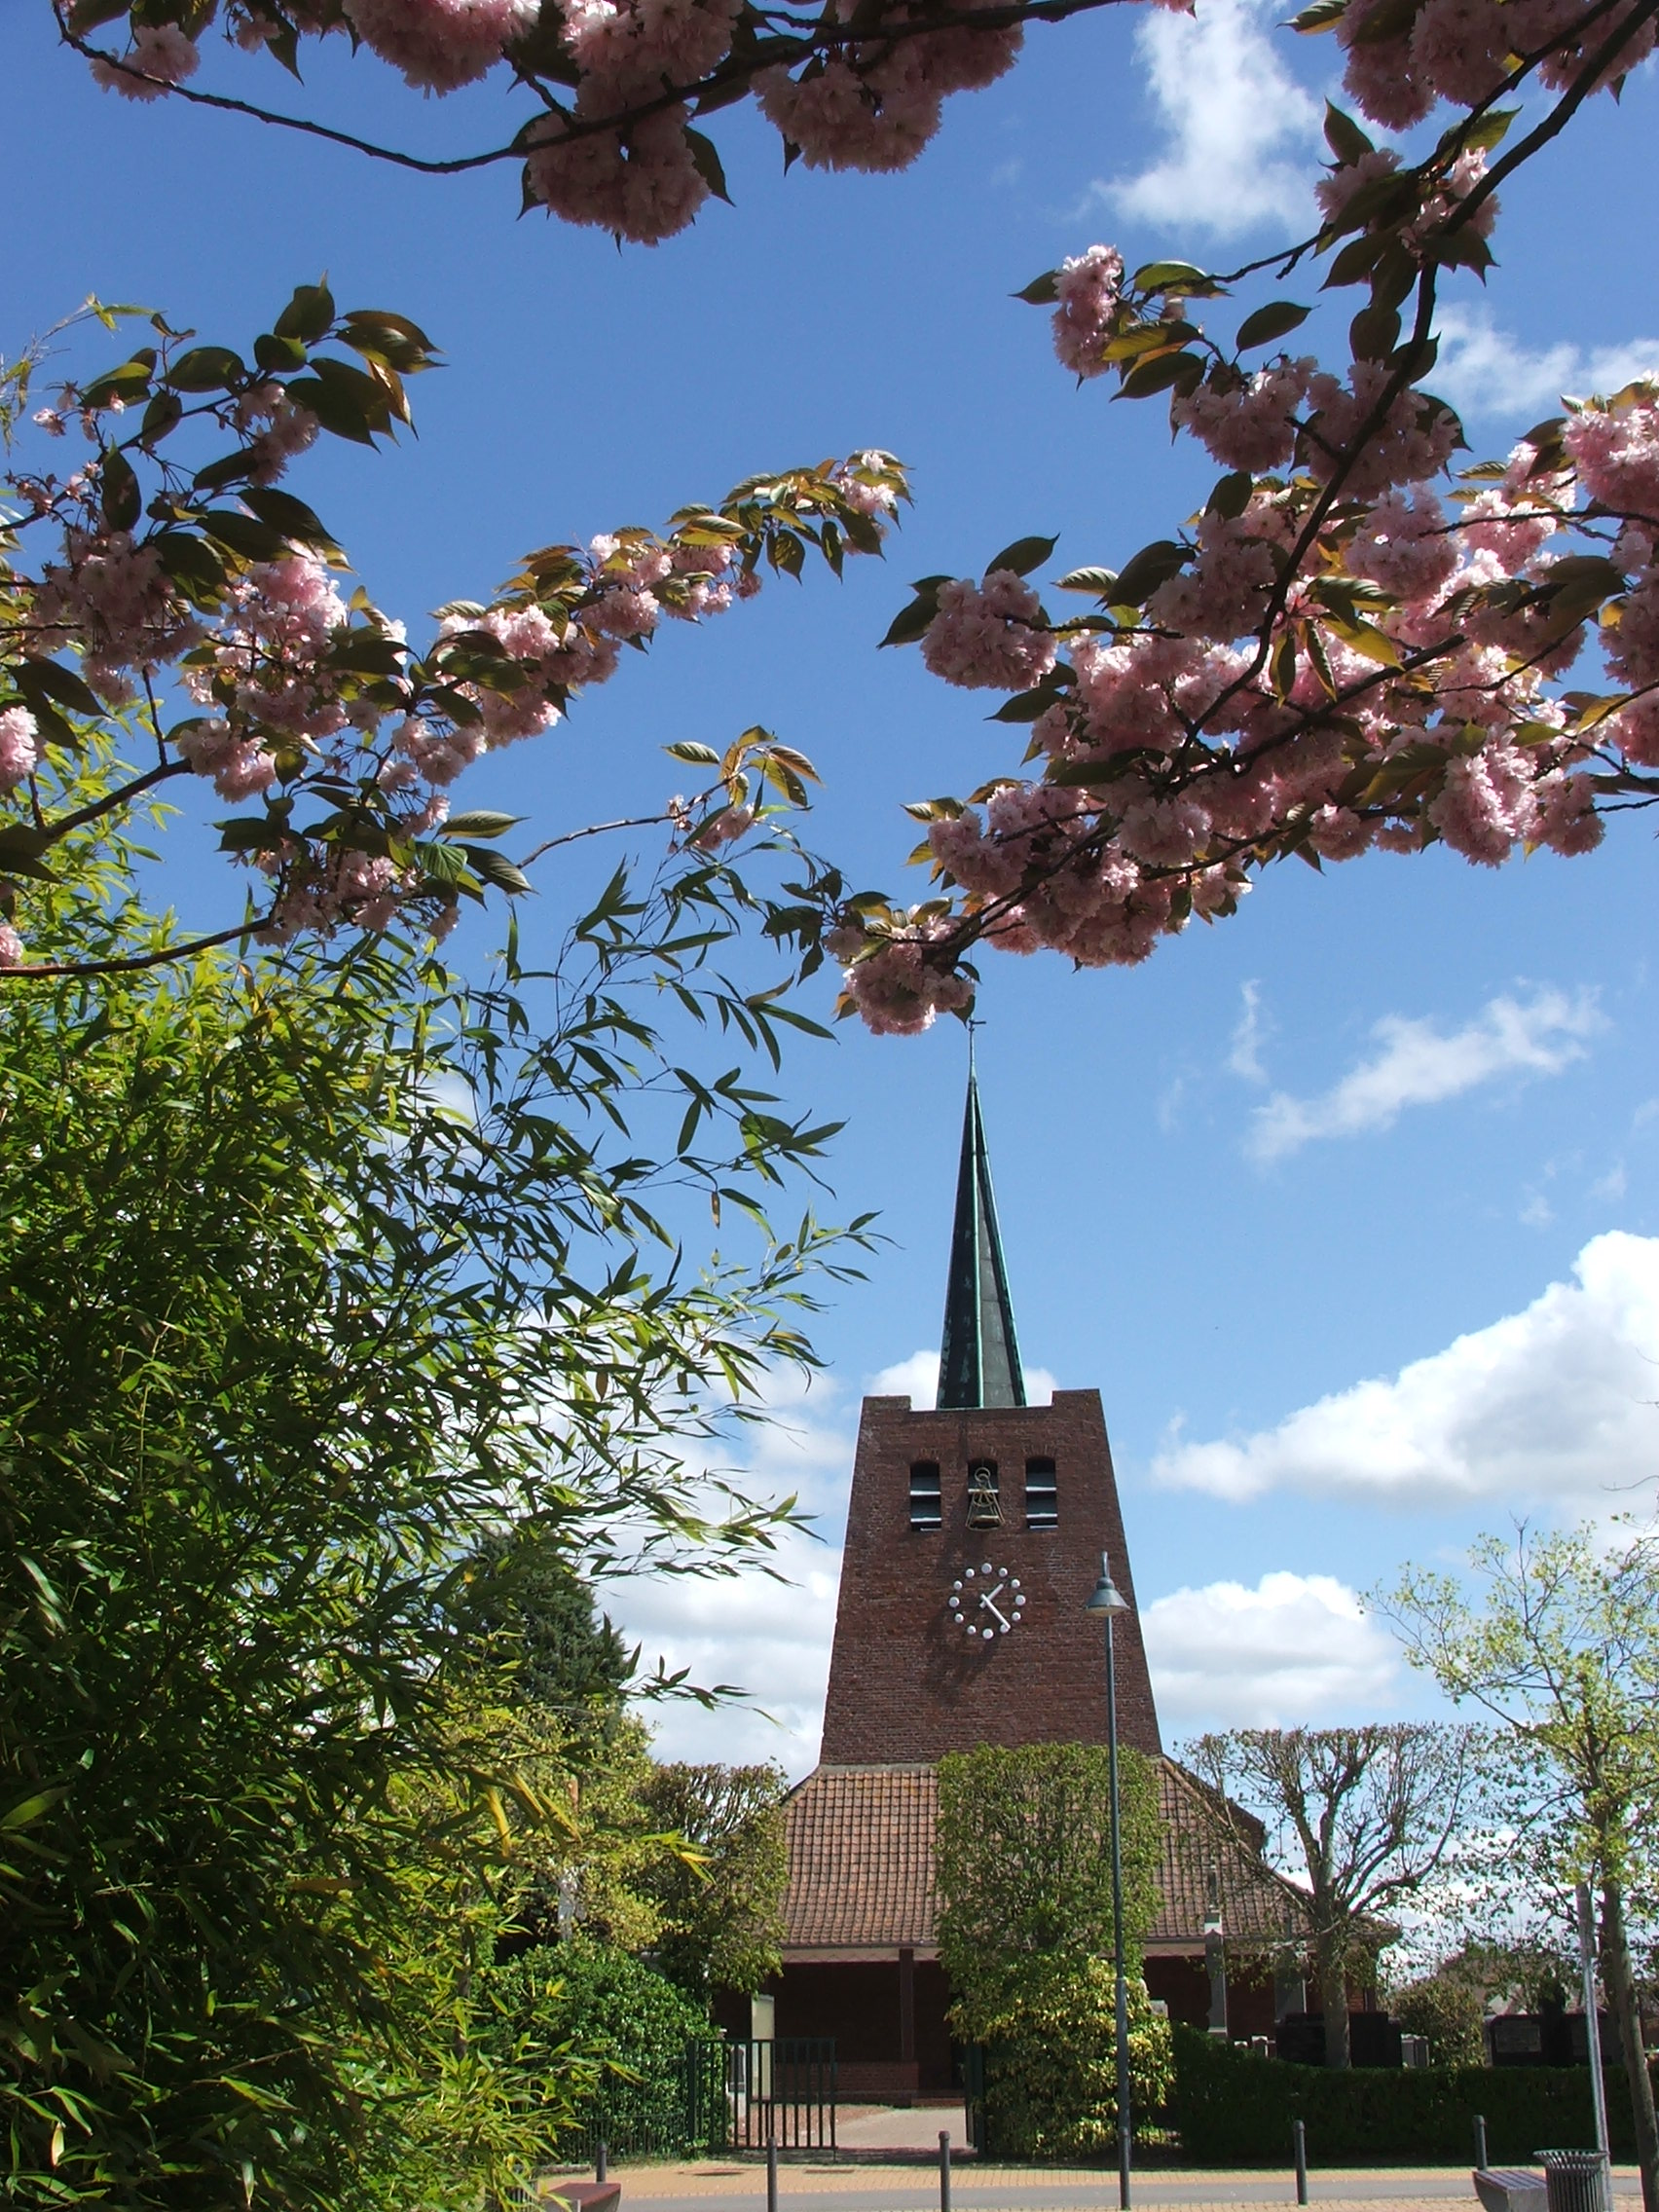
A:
[33,970]
[714,88]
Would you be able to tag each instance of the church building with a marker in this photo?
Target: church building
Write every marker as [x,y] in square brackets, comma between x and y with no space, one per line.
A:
[973,1537]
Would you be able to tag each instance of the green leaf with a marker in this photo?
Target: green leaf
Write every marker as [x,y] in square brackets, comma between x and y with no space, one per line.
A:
[123,501]
[495,868]
[1344,135]
[1270,322]
[127,383]
[1322,15]
[244,535]
[481,821]
[694,754]
[278,355]
[1098,582]
[1026,706]
[1151,566]
[291,516]
[1232,494]
[207,368]
[707,163]
[1161,372]
[309,315]
[1042,291]
[49,679]
[1023,555]
[1374,333]
[913,621]
[1169,277]
[194,566]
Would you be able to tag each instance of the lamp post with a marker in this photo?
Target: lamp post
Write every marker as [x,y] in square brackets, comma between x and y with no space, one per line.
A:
[1109,1600]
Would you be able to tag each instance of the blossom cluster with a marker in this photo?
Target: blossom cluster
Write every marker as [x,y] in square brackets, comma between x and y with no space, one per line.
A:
[615,147]
[293,689]
[1345,656]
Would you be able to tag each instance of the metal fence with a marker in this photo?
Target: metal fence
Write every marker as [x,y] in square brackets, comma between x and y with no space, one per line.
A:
[724,2096]
[782,2091]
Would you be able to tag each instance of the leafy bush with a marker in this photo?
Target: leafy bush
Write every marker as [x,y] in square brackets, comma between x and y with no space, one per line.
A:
[608,2007]
[1231,2109]
[1449,2012]
[1051,2070]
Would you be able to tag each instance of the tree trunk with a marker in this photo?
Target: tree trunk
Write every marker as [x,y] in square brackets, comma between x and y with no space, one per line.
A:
[1621,1996]
[1332,1963]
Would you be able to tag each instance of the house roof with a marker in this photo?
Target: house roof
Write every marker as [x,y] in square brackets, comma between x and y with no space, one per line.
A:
[860,1845]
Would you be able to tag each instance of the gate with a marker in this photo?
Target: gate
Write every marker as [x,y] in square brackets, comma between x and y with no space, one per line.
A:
[781,2090]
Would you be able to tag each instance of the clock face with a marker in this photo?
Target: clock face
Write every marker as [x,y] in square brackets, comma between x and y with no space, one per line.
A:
[986,1602]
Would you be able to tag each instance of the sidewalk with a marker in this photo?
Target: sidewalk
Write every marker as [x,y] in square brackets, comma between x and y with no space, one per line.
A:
[730,2186]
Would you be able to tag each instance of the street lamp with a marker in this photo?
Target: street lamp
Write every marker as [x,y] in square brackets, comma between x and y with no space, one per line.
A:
[1109,1600]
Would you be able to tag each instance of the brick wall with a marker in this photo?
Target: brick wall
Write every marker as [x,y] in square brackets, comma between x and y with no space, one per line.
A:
[906,1683]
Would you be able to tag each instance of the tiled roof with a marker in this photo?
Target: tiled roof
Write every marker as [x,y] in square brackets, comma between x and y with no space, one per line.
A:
[862,1859]
[861,1842]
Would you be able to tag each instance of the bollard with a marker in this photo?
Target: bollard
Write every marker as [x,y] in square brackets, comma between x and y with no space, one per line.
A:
[771,2173]
[944,2169]
[1481,2159]
[1301,2164]
[602,2163]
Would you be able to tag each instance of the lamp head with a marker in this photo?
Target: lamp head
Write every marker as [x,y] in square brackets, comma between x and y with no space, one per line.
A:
[1107,1597]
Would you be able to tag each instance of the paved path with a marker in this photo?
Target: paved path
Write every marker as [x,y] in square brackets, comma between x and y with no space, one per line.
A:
[730,2186]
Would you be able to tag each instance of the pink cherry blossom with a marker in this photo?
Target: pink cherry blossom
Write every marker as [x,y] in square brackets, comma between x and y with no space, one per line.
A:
[1415,441]
[1246,421]
[1488,805]
[440,45]
[11,946]
[1616,451]
[163,51]
[1402,544]
[1088,287]
[896,989]
[988,638]
[20,748]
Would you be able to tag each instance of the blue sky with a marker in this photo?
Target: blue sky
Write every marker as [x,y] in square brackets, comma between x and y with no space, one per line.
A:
[1362,1130]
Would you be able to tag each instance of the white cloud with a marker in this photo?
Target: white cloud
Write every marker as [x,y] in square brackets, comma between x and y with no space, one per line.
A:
[1555,1406]
[1486,371]
[918,1378]
[1244,1059]
[1417,1064]
[768,1637]
[1296,1648]
[1241,130]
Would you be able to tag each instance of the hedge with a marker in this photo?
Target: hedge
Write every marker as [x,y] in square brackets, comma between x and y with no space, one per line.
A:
[1233,2109]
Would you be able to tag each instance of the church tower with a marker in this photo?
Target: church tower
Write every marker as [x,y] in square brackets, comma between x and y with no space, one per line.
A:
[973,1537]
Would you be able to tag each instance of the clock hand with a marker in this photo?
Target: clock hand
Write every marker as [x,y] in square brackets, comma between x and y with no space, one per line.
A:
[990,1606]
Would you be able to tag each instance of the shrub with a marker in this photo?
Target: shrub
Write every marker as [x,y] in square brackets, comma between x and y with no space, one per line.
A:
[633,2023]
[1231,2109]
[1449,2012]
[1050,2068]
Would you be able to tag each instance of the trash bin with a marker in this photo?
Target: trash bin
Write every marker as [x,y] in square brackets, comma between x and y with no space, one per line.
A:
[1576,2180]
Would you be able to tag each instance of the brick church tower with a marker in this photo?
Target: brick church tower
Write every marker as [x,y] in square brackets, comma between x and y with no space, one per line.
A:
[973,1537]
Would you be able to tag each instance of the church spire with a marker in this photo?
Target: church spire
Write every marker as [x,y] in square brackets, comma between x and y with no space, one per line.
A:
[979,1361]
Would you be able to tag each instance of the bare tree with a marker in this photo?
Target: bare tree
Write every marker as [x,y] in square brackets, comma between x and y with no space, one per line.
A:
[1360,1817]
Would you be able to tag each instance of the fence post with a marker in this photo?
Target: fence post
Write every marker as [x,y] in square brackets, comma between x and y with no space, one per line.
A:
[1300,2141]
[1481,2159]
[944,2169]
[771,2172]
[602,2161]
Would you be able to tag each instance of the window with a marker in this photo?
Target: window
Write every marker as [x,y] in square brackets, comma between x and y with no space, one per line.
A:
[927,1509]
[1042,1495]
